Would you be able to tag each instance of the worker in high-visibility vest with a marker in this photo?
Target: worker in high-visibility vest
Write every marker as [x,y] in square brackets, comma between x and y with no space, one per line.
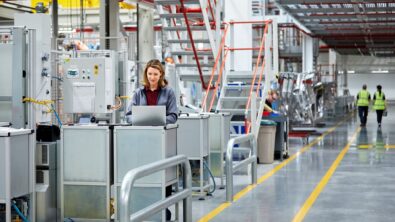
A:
[363,99]
[379,104]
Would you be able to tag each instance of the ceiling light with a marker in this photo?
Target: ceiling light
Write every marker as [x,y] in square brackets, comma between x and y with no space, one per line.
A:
[380,71]
[350,71]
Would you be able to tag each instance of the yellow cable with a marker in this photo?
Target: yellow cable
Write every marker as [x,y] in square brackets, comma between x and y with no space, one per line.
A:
[39,102]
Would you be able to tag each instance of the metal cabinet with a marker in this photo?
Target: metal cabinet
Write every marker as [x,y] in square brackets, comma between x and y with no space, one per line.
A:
[135,146]
[193,140]
[219,124]
[16,166]
[85,158]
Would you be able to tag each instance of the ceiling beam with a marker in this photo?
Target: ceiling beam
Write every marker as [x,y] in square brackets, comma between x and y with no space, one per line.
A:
[328,2]
[8,12]
[346,16]
[335,10]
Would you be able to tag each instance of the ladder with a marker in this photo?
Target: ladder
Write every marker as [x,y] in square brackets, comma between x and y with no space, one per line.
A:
[243,93]
[190,29]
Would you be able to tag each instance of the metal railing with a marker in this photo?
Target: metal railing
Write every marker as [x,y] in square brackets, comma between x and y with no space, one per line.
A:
[185,195]
[229,162]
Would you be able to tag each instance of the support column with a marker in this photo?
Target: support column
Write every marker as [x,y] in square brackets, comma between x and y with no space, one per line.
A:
[237,10]
[332,64]
[145,35]
[307,54]
[275,47]
[109,24]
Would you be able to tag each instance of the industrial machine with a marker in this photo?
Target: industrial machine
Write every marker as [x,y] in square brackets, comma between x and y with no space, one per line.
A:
[46,182]
[89,82]
[16,173]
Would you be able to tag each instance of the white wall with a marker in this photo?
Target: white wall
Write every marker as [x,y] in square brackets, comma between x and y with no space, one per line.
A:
[237,10]
[355,82]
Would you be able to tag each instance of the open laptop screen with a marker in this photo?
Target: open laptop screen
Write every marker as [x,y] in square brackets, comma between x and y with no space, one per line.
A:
[148,115]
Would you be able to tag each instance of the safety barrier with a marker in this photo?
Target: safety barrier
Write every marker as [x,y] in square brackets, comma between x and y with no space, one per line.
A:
[229,162]
[185,195]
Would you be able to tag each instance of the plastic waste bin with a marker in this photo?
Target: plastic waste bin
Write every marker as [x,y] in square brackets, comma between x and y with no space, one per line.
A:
[266,139]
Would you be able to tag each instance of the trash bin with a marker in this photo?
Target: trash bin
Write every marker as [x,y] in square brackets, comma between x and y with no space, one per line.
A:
[266,139]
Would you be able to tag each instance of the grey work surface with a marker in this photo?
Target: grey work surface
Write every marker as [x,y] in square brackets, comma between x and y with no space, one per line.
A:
[361,188]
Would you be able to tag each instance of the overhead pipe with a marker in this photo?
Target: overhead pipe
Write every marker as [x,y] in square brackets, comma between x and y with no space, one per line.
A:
[357,35]
[292,25]
[338,3]
[356,22]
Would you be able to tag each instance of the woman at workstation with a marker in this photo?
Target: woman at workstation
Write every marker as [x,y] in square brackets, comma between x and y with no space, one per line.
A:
[155,92]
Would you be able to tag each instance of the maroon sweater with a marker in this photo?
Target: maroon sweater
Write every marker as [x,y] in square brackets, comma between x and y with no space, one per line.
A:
[152,96]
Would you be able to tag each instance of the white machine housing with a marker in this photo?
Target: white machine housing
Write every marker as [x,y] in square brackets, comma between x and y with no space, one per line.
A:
[42,59]
[89,84]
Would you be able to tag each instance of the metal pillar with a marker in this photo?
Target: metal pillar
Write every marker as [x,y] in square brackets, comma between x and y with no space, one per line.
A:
[269,56]
[109,24]
[275,47]
[54,46]
[237,10]
[332,63]
[145,35]
[308,54]
[19,117]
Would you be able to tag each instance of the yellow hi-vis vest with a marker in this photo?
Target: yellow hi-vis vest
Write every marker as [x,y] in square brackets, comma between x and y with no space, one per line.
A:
[363,100]
[379,103]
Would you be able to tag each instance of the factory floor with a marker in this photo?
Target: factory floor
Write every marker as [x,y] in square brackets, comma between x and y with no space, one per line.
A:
[347,174]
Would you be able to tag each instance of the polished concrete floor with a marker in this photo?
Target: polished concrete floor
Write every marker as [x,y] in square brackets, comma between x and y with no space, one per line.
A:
[348,174]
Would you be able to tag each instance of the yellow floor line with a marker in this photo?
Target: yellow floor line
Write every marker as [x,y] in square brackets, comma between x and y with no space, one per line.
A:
[266,176]
[321,185]
[368,146]
[364,146]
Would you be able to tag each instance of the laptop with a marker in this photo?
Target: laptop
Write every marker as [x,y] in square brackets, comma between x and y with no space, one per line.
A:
[148,115]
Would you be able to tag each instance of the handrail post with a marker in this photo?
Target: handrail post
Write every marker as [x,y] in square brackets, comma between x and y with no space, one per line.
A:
[187,184]
[229,162]
[229,171]
[253,114]
[254,166]
[232,45]
[184,195]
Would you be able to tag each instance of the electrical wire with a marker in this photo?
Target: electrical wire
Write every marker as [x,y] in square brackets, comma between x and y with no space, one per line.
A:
[58,78]
[45,103]
[212,177]
[119,105]
[19,212]
[119,99]
[57,115]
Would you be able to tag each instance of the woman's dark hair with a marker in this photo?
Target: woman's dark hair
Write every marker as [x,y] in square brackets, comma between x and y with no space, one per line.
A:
[379,89]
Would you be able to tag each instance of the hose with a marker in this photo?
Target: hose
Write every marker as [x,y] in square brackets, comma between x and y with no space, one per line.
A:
[19,212]
[212,177]
[57,116]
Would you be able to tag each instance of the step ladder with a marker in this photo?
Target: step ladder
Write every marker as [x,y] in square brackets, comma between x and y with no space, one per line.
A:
[190,32]
[234,97]
[239,86]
